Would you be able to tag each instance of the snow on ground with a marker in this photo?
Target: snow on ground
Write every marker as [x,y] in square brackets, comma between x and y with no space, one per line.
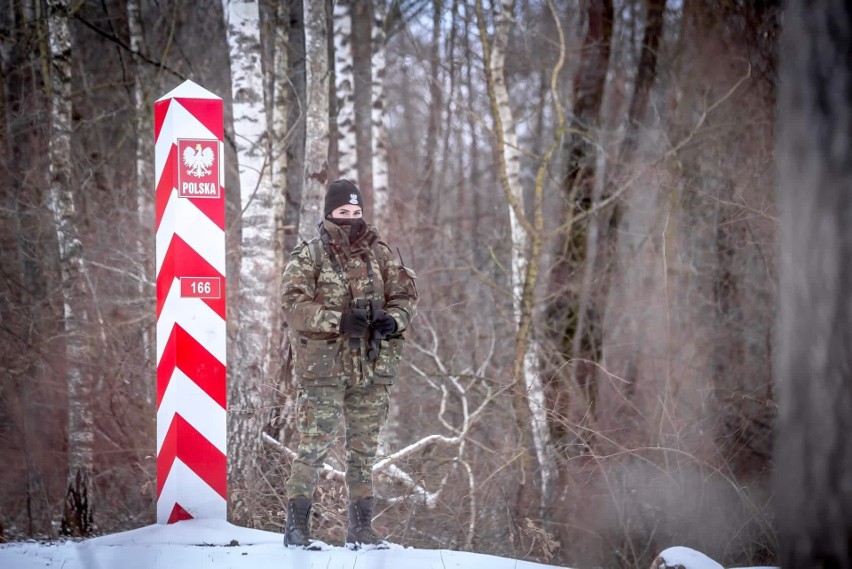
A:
[196,544]
[686,557]
[691,559]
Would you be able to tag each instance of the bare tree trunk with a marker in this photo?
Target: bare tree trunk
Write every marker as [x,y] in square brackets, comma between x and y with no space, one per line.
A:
[585,315]
[16,98]
[381,184]
[529,393]
[473,185]
[444,196]
[279,375]
[362,24]
[645,74]
[316,153]
[296,73]
[258,321]
[589,83]
[281,87]
[144,189]
[344,80]
[814,363]
[433,127]
[573,321]
[77,517]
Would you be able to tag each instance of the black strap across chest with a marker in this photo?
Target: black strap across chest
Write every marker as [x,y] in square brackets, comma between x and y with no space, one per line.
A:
[335,263]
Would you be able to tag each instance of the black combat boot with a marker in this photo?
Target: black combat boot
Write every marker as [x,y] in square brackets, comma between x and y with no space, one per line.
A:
[297,531]
[361,526]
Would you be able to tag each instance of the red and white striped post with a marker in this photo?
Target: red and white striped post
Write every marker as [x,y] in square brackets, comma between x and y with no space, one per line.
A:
[190,235]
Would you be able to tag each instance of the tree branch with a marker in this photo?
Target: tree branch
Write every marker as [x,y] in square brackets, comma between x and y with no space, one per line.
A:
[116,40]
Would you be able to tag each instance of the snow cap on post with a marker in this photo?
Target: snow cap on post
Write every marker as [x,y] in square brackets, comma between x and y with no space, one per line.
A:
[190,268]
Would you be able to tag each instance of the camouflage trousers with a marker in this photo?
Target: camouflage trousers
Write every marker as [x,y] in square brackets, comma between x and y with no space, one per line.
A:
[364,409]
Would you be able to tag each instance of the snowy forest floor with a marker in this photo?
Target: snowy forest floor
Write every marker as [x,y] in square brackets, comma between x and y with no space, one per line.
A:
[213,543]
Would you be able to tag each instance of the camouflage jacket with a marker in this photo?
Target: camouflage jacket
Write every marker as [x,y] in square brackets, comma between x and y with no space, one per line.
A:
[314,298]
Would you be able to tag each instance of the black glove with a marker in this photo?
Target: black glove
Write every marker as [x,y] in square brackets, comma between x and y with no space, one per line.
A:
[354,323]
[383,325]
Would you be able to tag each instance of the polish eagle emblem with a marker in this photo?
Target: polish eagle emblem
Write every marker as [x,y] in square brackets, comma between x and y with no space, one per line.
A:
[198,160]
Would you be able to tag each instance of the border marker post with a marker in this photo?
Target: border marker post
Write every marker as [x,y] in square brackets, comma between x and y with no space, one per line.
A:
[191,333]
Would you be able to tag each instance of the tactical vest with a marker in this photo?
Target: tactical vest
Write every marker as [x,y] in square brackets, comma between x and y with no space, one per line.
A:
[316,248]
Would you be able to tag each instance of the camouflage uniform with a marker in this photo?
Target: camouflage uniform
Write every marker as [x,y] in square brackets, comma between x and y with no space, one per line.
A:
[333,377]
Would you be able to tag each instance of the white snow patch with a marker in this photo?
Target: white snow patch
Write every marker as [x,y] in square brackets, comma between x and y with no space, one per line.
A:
[689,558]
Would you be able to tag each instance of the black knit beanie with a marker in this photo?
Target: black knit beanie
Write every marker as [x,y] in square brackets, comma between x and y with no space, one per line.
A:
[342,192]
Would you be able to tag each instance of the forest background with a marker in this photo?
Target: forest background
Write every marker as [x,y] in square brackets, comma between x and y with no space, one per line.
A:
[585,189]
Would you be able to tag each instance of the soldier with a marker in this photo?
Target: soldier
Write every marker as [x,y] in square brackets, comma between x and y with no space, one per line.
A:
[347,302]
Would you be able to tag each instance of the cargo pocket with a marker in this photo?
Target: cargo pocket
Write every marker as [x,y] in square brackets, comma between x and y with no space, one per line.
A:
[306,422]
[317,361]
[387,364]
[318,412]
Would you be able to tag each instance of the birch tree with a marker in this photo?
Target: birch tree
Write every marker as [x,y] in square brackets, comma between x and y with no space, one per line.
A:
[379,115]
[344,85]
[280,136]
[258,310]
[134,25]
[77,515]
[526,244]
[316,152]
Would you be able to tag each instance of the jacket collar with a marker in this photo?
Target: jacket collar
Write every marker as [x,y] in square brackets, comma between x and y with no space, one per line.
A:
[339,239]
